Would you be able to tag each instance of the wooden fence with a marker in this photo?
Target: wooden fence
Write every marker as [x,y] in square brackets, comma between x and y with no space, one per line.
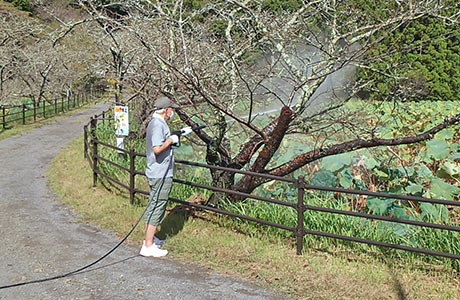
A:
[22,113]
[91,152]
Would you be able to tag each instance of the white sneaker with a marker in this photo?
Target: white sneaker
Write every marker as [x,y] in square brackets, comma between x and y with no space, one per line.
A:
[152,251]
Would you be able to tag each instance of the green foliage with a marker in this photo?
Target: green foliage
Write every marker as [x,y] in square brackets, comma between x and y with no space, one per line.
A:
[437,149]
[376,10]
[336,162]
[24,5]
[428,68]
[430,169]
[379,206]
[434,212]
[389,232]
[324,178]
[443,190]
[195,4]
[267,5]
[281,5]
[218,28]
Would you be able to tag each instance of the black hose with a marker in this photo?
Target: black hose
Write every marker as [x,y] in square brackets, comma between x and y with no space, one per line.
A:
[114,248]
[99,259]
[80,269]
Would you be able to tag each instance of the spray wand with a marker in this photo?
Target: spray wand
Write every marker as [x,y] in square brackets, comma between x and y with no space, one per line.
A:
[186,130]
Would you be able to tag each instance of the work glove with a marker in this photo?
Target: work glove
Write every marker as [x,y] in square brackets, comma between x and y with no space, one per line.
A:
[186,130]
[175,139]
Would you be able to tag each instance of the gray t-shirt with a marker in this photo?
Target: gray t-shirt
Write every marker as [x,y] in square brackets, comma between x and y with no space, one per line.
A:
[158,165]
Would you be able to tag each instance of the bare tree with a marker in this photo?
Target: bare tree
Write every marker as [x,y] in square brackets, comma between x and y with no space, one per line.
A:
[110,20]
[231,62]
[16,32]
[38,63]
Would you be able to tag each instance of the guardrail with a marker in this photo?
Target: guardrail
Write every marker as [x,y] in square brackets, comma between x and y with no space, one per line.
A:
[91,146]
[21,113]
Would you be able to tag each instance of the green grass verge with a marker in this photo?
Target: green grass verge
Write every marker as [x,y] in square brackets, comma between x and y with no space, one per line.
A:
[19,128]
[223,245]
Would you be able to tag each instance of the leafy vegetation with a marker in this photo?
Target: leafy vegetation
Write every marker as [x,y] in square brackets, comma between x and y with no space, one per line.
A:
[430,169]
[281,5]
[428,68]
[24,5]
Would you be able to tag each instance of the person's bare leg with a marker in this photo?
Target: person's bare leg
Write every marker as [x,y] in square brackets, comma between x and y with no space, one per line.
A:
[149,234]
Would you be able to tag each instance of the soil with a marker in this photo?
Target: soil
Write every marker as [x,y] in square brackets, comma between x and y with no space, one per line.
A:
[41,237]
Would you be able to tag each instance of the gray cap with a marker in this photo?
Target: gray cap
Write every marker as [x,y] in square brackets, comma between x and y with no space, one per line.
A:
[164,102]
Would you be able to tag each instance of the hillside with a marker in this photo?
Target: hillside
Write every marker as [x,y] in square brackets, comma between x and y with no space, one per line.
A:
[42,58]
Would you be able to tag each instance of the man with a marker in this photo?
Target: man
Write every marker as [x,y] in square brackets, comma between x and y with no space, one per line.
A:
[159,171]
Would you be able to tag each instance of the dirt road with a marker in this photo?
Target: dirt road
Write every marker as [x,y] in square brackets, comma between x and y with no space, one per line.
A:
[40,237]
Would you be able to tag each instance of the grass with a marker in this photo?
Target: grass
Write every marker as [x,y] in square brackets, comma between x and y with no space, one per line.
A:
[232,248]
[407,235]
[394,233]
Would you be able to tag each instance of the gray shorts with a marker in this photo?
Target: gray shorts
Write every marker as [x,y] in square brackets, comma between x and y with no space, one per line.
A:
[159,193]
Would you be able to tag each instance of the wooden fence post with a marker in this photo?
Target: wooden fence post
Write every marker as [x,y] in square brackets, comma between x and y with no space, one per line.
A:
[35,107]
[85,141]
[3,117]
[132,173]
[55,106]
[23,114]
[44,109]
[94,154]
[94,150]
[91,124]
[300,216]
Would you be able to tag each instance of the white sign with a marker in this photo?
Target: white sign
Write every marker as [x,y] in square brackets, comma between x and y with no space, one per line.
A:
[121,120]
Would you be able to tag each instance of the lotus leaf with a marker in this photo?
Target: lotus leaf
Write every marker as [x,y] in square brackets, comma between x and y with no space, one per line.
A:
[379,205]
[437,149]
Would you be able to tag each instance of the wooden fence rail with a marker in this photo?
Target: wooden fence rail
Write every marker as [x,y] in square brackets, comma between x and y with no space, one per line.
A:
[21,113]
[92,145]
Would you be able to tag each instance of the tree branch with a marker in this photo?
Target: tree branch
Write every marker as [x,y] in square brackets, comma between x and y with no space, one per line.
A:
[313,155]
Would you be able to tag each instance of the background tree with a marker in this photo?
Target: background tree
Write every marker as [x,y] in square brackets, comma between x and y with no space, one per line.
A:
[232,63]
[16,32]
[110,17]
[428,69]
[256,58]
[37,63]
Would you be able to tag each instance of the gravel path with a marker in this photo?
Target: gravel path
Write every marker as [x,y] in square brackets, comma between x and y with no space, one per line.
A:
[40,237]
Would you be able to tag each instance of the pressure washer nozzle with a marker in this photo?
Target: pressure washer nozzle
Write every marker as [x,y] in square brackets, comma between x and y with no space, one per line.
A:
[199,127]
